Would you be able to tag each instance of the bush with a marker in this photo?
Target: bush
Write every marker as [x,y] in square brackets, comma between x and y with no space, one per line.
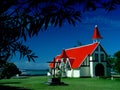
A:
[8,70]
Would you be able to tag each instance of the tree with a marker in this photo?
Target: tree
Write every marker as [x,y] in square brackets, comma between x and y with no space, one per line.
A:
[78,44]
[22,19]
[8,70]
[117,61]
[25,19]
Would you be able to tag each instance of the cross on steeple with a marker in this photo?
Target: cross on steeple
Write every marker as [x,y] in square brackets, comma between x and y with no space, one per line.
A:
[96,35]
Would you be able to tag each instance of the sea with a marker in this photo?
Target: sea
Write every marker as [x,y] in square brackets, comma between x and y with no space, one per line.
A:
[33,72]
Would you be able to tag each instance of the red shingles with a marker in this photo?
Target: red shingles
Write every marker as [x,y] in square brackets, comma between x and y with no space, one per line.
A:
[76,55]
[96,34]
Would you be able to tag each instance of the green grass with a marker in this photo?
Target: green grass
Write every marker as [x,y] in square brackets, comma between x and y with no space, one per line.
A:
[38,83]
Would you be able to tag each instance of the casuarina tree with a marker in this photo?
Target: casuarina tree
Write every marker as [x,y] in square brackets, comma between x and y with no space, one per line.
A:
[23,19]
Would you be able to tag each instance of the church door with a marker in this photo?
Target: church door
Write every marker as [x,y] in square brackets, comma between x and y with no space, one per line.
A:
[99,70]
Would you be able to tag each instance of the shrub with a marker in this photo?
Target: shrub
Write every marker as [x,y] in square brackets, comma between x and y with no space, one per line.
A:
[8,70]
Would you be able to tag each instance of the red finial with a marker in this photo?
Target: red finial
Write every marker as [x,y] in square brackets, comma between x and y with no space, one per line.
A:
[96,34]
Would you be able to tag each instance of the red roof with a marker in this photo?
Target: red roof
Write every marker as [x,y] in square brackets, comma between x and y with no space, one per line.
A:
[96,34]
[77,55]
[56,59]
[63,54]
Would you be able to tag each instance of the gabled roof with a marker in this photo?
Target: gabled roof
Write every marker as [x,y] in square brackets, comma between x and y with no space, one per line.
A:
[56,59]
[78,54]
[96,34]
[63,54]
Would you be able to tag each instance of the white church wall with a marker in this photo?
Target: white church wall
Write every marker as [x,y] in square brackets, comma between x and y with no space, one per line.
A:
[99,56]
[91,69]
[73,73]
[69,73]
[84,71]
[76,73]
[105,68]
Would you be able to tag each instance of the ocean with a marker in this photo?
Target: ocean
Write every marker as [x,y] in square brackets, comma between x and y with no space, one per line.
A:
[30,72]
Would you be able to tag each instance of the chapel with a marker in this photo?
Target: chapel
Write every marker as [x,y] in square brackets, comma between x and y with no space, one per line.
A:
[88,60]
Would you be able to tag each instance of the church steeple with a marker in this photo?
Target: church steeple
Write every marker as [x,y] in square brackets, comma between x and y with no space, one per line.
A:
[96,35]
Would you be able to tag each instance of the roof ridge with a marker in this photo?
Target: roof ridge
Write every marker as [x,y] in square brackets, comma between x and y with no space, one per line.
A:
[82,46]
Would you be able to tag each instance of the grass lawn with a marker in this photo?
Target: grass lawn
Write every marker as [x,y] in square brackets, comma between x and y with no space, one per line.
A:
[38,83]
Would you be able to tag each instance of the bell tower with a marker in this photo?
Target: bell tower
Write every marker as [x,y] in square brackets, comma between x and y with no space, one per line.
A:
[96,35]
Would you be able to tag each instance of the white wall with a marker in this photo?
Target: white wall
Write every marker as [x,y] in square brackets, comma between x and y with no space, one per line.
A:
[84,71]
[73,73]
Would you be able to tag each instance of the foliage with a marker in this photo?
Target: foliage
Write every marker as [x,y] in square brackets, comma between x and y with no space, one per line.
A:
[7,70]
[78,44]
[117,61]
[22,19]
[111,61]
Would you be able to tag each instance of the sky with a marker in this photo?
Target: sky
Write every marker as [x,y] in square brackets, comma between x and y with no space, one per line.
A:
[50,43]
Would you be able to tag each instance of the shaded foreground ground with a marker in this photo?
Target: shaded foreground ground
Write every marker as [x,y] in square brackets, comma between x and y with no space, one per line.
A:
[38,83]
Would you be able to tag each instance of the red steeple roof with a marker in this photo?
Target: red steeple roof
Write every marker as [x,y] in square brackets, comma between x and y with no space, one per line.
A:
[96,34]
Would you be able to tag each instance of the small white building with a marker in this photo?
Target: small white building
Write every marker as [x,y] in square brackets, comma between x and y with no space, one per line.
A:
[84,61]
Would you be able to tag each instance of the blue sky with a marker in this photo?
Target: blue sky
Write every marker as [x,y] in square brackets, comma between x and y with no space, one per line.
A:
[50,43]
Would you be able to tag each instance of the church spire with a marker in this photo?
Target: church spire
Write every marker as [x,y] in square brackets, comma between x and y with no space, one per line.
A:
[96,35]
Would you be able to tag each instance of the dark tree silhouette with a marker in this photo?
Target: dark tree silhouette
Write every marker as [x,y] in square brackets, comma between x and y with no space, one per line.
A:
[116,63]
[8,70]
[22,19]
[78,44]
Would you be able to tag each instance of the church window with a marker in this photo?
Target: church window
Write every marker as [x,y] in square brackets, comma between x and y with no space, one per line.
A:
[86,62]
[96,49]
[101,49]
[96,57]
[68,66]
[102,57]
